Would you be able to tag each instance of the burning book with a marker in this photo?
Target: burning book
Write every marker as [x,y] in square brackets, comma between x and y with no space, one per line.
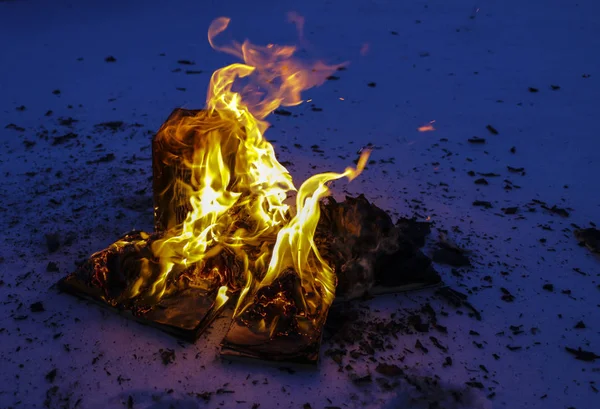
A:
[367,253]
[113,277]
[225,229]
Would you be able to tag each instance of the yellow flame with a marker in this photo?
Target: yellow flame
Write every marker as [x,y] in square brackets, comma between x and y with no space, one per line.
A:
[295,247]
[237,188]
[222,297]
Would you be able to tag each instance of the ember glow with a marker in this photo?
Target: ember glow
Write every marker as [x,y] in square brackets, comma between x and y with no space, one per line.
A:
[237,189]
[427,128]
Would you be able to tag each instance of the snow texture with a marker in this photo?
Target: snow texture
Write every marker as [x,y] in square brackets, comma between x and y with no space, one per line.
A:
[529,69]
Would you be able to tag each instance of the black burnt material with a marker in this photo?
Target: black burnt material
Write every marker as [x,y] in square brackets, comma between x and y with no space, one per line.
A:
[369,253]
[589,237]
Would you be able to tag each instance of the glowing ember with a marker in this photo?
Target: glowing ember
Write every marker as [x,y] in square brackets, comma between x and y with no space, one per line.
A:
[427,128]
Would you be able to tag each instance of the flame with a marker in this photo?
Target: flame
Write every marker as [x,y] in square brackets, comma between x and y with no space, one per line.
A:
[427,128]
[295,247]
[278,78]
[237,189]
[222,297]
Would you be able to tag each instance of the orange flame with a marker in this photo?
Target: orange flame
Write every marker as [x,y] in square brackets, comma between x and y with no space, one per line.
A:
[427,128]
[279,77]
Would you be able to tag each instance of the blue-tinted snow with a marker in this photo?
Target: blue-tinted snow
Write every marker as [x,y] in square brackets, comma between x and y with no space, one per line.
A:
[464,64]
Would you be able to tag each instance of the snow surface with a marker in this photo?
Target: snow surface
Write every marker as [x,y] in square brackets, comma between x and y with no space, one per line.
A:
[463,63]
